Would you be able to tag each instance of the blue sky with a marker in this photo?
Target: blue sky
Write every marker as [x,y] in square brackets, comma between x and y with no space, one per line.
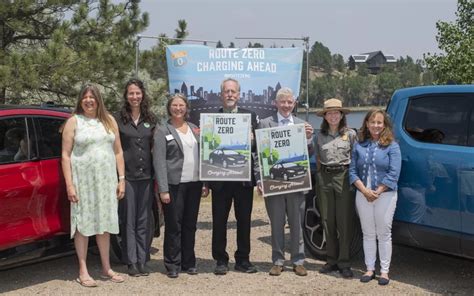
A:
[398,27]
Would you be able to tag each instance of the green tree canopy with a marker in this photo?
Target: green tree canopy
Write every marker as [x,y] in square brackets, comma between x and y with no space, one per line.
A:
[320,56]
[181,31]
[457,41]
[154,60]
[321,89]
[46,56]
[354,90]
[409,72]
[362,70]
[338,62]
[387,83]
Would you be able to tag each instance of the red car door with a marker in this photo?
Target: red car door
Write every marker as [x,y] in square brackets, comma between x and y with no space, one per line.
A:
[20,183]
[52,204]
[33,201]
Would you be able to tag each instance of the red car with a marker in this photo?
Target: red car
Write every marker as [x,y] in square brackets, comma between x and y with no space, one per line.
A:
[34,209]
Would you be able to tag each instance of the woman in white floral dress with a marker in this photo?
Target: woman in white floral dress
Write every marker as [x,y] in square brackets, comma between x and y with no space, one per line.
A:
[91,158]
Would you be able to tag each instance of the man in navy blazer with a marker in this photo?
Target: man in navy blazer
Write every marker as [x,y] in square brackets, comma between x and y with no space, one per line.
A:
[241,193]
[289,205]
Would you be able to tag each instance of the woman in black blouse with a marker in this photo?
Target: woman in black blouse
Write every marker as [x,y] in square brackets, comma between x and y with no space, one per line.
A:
[136,124]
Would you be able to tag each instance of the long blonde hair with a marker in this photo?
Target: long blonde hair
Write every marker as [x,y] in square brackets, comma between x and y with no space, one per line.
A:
[102,114]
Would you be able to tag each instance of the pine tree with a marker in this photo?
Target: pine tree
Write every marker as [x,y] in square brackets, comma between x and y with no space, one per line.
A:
[46,56]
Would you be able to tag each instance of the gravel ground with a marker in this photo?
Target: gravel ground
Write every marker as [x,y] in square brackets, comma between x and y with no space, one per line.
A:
[413,272]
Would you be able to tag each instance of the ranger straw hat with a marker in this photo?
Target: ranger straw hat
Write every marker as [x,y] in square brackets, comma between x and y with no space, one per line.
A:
[332,105]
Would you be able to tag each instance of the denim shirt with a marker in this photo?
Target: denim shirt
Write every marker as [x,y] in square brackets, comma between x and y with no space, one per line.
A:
[383,163]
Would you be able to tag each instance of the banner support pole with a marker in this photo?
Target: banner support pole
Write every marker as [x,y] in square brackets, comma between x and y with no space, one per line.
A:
[306,41]
[137,53]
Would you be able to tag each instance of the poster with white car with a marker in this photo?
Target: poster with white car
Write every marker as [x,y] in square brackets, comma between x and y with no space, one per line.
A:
[283,159]
[225,147]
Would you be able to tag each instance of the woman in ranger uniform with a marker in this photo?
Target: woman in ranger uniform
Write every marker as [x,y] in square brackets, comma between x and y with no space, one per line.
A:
[333,148]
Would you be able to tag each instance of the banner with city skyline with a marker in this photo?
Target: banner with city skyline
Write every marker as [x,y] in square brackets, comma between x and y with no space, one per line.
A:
[197,71]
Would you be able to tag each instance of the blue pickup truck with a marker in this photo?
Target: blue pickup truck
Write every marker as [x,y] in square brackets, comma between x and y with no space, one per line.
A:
[434,126]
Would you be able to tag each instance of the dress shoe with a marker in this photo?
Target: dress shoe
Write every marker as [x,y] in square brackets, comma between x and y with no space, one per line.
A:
[172,274]
[346,272]
[327,268]
[367,278]
[246,267]
[300,270]
[191,271]
[143,269]
[133,270]
[276,270]
[383,281]
[221,269]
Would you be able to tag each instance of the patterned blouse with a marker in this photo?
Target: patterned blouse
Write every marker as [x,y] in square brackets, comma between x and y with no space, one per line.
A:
[381,163]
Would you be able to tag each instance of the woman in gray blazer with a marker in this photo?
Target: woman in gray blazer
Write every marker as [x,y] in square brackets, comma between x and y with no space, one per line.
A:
[176,163]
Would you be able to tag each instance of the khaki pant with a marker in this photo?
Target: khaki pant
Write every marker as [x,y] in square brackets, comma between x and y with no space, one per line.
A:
[337,207]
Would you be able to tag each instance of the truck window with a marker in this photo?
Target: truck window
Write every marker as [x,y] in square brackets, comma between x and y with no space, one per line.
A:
[441,119]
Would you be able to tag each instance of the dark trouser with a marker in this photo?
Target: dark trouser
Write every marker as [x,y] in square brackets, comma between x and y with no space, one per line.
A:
[337,208]
[180,225]
[135,211]
[221,203]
